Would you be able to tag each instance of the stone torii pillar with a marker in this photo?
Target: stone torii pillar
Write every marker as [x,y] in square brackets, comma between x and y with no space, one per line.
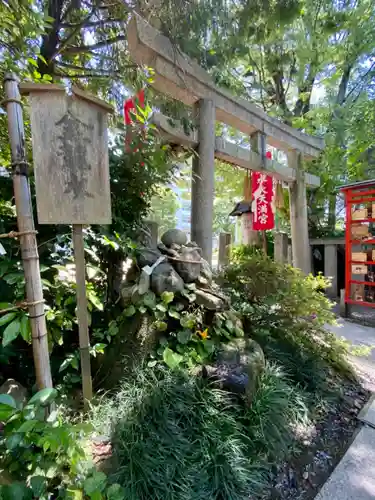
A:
[202,188]
[298,215]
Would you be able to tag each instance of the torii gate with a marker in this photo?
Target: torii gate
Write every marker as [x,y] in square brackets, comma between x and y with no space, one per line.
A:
[183,79]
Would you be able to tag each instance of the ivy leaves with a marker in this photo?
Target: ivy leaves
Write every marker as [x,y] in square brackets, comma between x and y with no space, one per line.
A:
[186,340]
[171,359]
[17,323]
[11,332]
[61,446]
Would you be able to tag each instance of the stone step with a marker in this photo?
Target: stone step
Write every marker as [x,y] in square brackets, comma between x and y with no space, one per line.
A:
[354,477]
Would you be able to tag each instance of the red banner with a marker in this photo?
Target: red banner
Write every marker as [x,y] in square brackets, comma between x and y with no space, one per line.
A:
[261,206]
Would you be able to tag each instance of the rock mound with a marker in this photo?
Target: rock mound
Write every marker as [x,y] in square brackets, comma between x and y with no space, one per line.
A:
[174,264]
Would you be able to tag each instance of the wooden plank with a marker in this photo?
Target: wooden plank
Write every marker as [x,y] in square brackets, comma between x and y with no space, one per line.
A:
[92,98]
[183,79]
[70,148]
[82,315]
[28,87]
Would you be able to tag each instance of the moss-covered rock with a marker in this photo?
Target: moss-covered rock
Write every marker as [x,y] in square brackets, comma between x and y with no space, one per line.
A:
[238,366]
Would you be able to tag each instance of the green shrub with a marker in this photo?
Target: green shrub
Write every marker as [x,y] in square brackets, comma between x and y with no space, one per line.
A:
[256,278]
[242,252]
[286,313]
[177,438]
[187,335]
[45,458]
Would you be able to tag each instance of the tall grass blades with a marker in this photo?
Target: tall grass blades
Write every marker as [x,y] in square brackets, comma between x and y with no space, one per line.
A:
[276,409]
[177,438]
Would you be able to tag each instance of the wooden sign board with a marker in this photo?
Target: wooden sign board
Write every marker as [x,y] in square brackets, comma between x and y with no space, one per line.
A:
[358,293]
[70,151]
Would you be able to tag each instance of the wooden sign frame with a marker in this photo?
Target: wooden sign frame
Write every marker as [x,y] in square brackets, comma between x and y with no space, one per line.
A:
[70,151]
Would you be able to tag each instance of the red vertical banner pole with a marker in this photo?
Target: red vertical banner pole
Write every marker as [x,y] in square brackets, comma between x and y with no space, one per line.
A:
[348,245]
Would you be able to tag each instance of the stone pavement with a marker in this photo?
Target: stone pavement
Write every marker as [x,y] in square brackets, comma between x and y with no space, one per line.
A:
[359,336]
[354,477]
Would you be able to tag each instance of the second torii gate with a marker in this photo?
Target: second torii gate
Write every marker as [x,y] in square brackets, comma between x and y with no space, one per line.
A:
[181,78]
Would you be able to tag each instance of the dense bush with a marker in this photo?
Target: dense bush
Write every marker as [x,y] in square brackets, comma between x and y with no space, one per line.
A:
[177,436]
[275,410]
[185,333]
[45,458]
[286,313]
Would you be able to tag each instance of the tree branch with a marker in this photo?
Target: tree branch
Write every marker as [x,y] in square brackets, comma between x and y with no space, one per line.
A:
[361,81]
[86,75]
[67,10]
[96,70]
[90,24]
[88,48]
[105,6]
[72,34]
[292,68]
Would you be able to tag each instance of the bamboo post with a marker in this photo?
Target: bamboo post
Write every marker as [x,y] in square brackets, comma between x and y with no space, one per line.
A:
[83,326]
[25,222]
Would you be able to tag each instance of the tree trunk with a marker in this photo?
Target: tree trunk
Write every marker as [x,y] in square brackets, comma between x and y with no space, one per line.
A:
[303,103]
[50,39]
[341,94]
[115,274]
[332,212]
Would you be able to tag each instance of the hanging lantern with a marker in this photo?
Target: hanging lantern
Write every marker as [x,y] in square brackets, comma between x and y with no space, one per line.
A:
[243,206]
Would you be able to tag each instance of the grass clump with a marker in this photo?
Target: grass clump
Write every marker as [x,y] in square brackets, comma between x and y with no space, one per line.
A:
[175,437]
[278,406]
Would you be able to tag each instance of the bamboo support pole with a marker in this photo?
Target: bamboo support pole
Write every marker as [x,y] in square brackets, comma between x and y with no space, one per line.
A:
[83,326]
[25,221]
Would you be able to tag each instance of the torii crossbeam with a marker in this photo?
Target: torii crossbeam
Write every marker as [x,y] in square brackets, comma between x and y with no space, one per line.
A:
[229,152]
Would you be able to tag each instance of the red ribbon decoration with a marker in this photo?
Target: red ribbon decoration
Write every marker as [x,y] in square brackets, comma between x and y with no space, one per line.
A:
[261,206]
[129,105]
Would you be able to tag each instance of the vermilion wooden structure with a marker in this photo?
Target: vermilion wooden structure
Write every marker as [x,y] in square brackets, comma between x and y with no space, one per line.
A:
[359,194]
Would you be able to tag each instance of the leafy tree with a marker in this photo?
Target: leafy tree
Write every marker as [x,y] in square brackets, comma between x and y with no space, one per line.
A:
[310,64]
[164,205]
[228,190]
